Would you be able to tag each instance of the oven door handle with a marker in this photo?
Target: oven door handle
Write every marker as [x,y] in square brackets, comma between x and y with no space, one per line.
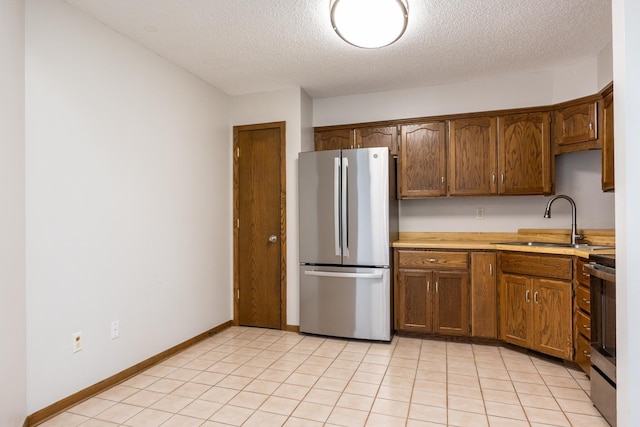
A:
[602,272]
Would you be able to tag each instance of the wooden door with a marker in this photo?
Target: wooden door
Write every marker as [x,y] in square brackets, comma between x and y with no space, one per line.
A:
[423,160]
[451,302]
[413,307]
[484,313]
[524,154]
[473,164]
[608,172]
[515,310]
[385,136]
[259,229]
[334,139]
[552,311]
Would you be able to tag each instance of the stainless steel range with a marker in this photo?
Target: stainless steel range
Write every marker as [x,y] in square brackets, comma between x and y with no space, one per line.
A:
[603,334]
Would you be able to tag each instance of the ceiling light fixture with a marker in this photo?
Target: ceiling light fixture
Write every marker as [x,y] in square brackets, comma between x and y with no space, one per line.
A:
[369,23]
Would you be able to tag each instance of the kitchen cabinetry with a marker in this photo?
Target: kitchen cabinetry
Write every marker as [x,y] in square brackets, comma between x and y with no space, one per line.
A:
[334,139]
[382,136]
[432,292]
[423,160]
[576,126]
[524,160]
[472,156]
[608,175]
[484,313]
[536,302]
[360,137]
[582,319]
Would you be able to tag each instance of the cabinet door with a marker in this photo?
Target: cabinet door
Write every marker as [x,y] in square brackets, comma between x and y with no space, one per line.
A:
[524,154]
[608,175]
[484,313]
[386,136]
[451,302]
[578,124]
[472,157]
[423,160]
[334,139]
[552,326]
[515,310]
[413,307]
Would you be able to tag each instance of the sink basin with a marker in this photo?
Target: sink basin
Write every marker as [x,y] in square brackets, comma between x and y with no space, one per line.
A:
[583,246]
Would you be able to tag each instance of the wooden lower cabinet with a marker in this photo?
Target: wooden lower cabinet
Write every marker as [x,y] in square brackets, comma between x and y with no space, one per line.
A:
[536,312]
[582,319]
[432,300]
[484,295]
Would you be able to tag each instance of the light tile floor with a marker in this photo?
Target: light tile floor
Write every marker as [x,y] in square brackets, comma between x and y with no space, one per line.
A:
[261,377]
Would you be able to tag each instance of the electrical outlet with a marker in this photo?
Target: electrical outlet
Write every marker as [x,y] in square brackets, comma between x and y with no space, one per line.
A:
[115,329]
[480,213]
[77,342]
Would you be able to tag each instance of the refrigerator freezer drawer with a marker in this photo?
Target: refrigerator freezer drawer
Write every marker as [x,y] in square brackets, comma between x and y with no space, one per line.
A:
[346,302]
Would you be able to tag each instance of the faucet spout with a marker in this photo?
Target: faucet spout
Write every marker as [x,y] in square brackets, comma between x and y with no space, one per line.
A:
[574,228]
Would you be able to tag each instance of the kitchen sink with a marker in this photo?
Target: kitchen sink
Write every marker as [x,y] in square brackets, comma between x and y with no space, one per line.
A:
[583,246]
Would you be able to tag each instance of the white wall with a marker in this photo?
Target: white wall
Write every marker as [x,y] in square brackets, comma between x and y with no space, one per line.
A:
[13,397]
[626,69]
[127,210]
[294,107]
[577,174]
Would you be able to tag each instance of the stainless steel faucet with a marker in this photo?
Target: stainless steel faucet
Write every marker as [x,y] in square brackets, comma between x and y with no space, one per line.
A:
[574,229]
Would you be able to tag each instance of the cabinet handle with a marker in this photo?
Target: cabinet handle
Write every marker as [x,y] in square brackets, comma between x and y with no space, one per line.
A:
[526,296]
[502,178]
[535,297]
[432,260]
[586,354]
[442,179]
[493,178]
[586,327]
[428,283]
[436,287]
[590,124]
[586,301]
[490,269]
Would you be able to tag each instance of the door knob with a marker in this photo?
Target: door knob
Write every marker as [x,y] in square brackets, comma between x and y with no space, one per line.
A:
[273,238]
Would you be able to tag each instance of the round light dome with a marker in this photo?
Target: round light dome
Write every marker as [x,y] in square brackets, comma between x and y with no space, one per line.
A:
[369,23]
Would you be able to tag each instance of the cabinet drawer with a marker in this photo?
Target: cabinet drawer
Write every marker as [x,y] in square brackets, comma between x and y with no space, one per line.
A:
[583,323]
[583,299]
[583,349]
[582,275]
[433,259]
[553,267]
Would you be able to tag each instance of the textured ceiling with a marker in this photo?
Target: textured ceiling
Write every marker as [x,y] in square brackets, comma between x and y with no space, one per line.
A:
[247,46]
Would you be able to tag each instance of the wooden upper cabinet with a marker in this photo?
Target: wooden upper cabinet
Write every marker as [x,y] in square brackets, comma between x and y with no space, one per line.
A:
[385,136]
[608,175]
[423,160]
[524,160]
[472,157]
[578,123]
[334,139]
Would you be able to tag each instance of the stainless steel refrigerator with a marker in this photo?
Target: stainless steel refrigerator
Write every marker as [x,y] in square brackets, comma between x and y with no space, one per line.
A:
[348,220]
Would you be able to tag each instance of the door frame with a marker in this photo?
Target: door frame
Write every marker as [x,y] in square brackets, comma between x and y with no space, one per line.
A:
[283,219]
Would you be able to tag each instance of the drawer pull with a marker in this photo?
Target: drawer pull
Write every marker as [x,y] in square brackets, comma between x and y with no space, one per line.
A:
[432,260]
[535,297]
[587,354]
[588,328]
[586,301]
[526,295]
[436,287]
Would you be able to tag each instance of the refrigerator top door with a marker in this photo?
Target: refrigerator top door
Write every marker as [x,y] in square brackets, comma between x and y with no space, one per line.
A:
[365,239]
[319,204]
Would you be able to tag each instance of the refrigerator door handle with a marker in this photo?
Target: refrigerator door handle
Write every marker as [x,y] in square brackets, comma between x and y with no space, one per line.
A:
[345,275]
[336,205]
[345,207]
